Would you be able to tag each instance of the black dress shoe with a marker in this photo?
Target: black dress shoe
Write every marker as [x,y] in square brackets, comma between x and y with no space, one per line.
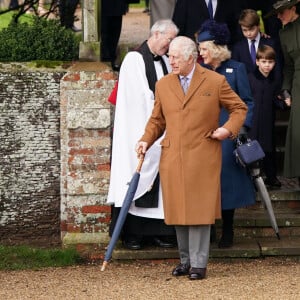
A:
[116,67]
[226,241]
[181,270]
[163,243]
[197,273]
[132,244]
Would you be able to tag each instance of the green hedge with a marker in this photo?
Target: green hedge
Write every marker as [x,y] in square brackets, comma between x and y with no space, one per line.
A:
[41,40]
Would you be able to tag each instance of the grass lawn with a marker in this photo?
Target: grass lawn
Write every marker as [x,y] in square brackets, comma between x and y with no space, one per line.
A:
[5,19]
[25,257]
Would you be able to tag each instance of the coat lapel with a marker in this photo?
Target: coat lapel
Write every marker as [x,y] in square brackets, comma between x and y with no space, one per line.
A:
[176,87]
[197,79]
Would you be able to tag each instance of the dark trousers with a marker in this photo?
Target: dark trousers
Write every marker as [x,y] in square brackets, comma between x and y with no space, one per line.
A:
[140,228]
[67,10]
[269,165]
[227,221]
[13,3]
[110,33]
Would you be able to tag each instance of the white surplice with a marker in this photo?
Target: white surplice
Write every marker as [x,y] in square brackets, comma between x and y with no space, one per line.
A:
[134,106]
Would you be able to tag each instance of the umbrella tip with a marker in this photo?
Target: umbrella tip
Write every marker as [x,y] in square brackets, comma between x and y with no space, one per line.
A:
[278,236]
[104,266]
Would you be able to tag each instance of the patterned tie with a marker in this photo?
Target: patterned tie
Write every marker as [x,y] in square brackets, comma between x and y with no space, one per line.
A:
[184,84]
[210,9]
[253,51]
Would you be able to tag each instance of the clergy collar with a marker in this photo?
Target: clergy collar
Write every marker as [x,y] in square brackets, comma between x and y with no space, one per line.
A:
[156,57]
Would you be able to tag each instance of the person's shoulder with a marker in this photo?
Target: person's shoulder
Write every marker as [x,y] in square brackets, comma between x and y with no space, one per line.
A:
[235,64]
[242,41]
[208,73]
[267,41]
[132,58]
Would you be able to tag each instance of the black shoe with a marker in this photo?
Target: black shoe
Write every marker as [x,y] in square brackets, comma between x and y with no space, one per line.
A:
[226,241]
[273,182]
[132,244]
[163,243]
[116,67]
[197,273]
[181,270]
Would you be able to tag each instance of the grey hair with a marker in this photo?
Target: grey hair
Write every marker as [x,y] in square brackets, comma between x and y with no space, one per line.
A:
[220,52]
[163,26]
[187,47]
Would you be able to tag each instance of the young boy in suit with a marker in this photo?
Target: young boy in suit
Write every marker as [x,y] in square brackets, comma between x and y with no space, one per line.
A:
[266,86]
[245,50]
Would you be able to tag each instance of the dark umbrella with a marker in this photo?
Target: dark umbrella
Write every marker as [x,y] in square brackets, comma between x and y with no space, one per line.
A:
[260,185]
[123,212]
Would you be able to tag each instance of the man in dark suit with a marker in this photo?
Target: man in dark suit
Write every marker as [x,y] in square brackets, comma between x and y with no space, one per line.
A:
[190,15]
[111,24]
[250,25]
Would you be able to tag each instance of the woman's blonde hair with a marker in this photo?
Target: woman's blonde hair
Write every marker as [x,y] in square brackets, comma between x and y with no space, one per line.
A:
[220,52]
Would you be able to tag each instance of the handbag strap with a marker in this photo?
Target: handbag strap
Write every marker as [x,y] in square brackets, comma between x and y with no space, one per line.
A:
[239,142]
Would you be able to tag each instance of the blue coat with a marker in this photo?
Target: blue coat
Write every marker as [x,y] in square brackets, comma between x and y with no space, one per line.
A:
[237,189]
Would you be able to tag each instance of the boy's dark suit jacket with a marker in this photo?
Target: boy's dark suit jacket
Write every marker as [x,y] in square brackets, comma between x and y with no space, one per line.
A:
[241,53]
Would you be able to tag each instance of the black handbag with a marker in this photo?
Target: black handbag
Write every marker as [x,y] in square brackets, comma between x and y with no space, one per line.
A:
[249,152]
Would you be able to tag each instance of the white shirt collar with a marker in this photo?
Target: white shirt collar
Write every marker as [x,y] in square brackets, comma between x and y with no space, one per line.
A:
[256,40]
[190,75]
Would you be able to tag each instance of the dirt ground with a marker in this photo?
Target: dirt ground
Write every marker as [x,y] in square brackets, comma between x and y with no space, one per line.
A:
[271,278]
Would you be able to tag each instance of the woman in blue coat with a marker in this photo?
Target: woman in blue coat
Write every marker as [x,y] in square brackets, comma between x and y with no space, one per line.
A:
[237,189]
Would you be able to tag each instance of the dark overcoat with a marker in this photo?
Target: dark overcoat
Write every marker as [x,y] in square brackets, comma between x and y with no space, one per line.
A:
[189,15]
[265,91]
[290,41]
[237,189]
[190,163]
[113,8]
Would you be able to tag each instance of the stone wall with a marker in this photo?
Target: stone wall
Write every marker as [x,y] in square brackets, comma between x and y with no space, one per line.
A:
[29,156]
[55,133]
[85,152]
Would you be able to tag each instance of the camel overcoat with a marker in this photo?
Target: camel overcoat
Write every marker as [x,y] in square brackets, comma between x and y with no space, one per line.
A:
[190,163]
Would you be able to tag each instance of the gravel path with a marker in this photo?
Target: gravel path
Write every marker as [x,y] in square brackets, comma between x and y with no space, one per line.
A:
[271,278]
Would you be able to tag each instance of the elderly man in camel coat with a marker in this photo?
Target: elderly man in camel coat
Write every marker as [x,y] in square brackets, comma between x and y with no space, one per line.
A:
[190,163]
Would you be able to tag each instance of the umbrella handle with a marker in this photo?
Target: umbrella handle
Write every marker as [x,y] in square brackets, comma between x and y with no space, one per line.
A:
[141,160]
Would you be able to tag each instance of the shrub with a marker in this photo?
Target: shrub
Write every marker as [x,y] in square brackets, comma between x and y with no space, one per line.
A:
[41,40]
